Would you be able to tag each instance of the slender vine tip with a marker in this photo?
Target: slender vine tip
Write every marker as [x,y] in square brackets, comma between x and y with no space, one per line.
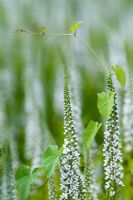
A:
[43,30]
[75,26]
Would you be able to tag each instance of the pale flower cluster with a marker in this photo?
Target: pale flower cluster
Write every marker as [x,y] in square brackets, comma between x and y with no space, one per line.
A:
[71,182]
[112,150]
[128,122]
[70,174]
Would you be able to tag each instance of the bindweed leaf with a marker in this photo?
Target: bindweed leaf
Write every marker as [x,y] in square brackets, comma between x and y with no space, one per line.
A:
[24,179]
[91,132]
[43,29]
[105,103]
[75,26]
[120,75]
[23,171]
[37,170]
[50,159]
[23,187]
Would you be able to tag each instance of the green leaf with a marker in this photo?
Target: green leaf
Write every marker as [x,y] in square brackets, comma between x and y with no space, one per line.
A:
[105,103]
[37,170]
[61,150]
[24,178]
[23,181]
[22,171]
[34,172]
[120,75]
[50,159]
[23,187]
[2,151]
[43,29]
[91,132]
[75,26]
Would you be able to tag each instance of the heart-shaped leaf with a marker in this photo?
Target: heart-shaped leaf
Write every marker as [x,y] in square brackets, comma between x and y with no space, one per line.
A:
[50,159]
[91,132]
[75,26]
[120,75]
[23,181]
[105,103]
[43,29]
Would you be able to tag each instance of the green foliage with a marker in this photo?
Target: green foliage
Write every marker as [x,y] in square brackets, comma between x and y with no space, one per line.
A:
[50,159]
[105,103]
[24,179]
[120,75]
[44,57]
[2,151]
[75,26]
[43,29]
[91,132]
[25,176]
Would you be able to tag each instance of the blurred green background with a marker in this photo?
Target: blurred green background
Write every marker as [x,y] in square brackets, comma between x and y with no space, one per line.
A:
[27,60]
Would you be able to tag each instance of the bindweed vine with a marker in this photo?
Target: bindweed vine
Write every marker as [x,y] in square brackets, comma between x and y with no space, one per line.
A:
[73,29]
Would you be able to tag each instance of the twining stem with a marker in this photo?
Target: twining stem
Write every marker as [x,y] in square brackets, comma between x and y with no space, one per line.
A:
[59,34]
[43,33]
[69,34]
[26,31]
[36,188]
[93,52]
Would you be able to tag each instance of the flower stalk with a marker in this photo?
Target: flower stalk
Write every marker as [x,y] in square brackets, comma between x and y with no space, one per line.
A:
[112,150]
[71,182]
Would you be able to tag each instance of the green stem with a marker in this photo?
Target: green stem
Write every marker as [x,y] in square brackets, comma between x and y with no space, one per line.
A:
[68,34]
[58,34]
[93,52]
[36,188]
